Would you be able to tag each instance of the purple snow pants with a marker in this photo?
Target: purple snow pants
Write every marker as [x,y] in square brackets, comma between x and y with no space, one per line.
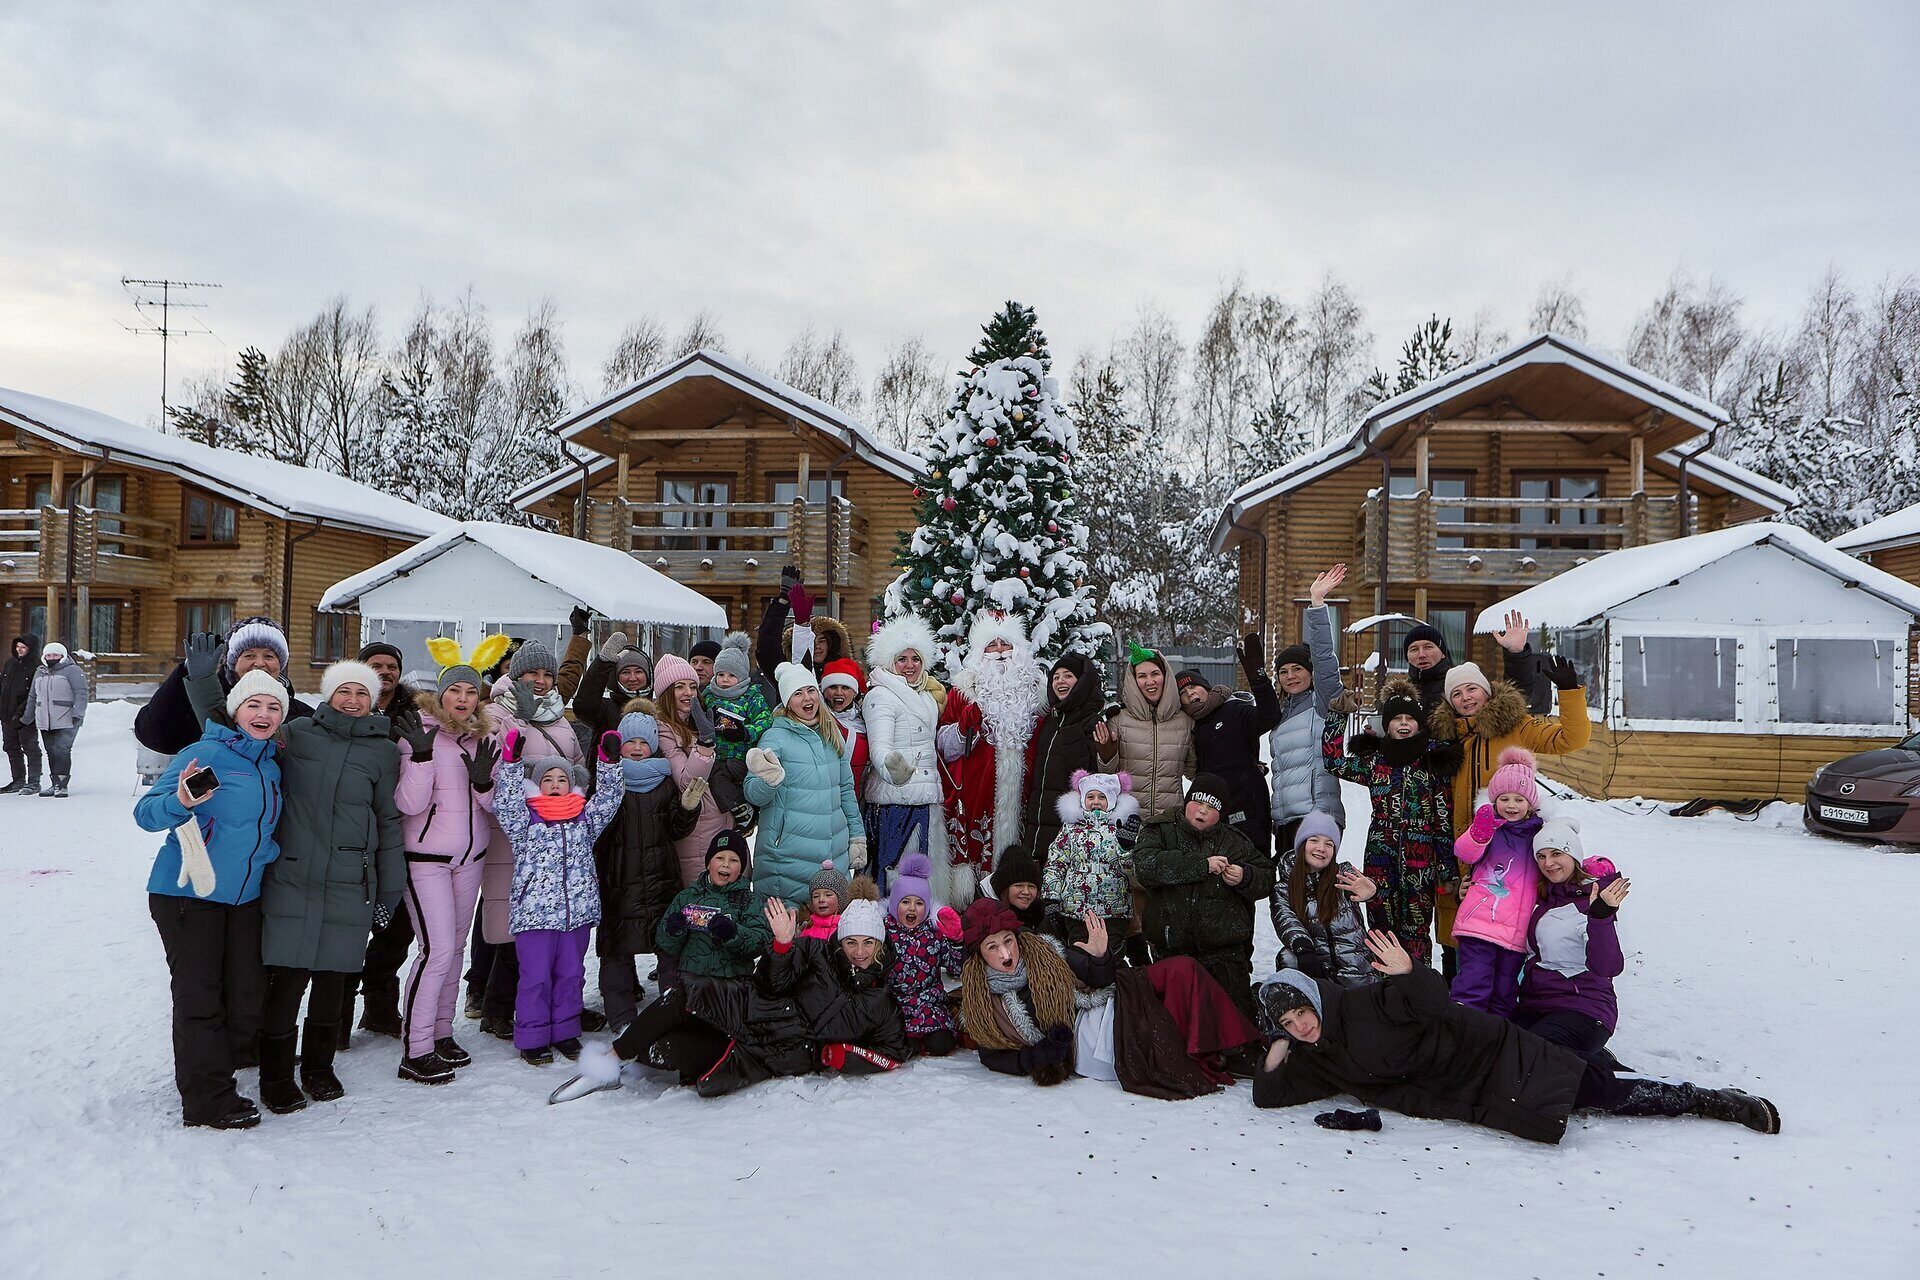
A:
[553,970]
[1489,977]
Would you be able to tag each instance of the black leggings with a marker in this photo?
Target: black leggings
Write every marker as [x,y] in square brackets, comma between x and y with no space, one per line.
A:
[665,1036]
[285,987]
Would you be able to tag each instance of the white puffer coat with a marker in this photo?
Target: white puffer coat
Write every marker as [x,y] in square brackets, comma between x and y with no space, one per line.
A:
[901,717]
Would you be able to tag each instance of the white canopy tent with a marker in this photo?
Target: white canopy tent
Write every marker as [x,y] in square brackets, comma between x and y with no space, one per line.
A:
[478,578]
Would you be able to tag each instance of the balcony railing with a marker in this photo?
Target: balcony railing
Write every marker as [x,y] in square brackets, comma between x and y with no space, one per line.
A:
[109,548]
[735,543]
[1495,545]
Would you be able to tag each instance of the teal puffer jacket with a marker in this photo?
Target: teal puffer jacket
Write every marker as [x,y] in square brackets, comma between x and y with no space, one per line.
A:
[807,819]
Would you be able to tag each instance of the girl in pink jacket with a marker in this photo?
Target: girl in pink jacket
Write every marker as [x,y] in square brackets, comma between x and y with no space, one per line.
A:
[445,797]
[1502,887]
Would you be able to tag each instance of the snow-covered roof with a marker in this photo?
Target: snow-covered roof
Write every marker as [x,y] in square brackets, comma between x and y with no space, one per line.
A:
[1542,348]
[277,488]
[768,390]
[1898,529]
[609,582]
[1589,591]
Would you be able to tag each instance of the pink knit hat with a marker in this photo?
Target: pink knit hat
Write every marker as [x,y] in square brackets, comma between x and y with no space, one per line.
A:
[1514,776]
[671,670]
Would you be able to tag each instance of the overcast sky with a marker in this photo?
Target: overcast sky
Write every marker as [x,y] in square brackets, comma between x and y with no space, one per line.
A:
[894,168]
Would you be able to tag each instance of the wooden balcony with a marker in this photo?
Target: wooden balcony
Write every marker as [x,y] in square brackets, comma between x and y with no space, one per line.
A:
[1496,547]
[736,543]
[106,548]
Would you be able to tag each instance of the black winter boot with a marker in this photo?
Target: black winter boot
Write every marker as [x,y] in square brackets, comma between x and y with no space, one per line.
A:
[451,1053]
[59,791]
[31,787]
[278,1093]
[241,1115]
[1733,1105]
[318,1043]
[428,1068]
[381,1014]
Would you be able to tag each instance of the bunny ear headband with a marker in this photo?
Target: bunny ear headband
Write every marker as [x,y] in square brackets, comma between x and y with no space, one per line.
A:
[446,652]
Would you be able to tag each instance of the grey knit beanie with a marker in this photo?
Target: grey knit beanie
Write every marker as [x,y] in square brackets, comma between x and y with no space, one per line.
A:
[531,656]
[733,656]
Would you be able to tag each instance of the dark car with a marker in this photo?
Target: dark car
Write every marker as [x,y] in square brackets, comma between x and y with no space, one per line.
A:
[1874,794]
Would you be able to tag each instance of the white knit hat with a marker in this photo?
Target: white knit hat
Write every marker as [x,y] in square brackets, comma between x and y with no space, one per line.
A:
[1562,833]
[792,678]
[257,684]
[862,918]
[1466,673]
[349,672]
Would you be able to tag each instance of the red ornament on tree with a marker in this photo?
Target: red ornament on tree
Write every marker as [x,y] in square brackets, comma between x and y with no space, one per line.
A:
[1053,526]
[957,598]
[1025,572]
[990,441]
[917,491]
[947,503]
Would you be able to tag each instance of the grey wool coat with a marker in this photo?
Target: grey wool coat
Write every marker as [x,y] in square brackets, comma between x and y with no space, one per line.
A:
[341,844]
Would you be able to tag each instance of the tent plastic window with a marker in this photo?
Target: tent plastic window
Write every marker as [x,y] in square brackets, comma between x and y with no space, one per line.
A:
[1681,678]
[1838,682]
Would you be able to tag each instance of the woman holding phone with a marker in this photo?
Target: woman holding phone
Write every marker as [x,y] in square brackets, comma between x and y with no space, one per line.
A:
[218,802]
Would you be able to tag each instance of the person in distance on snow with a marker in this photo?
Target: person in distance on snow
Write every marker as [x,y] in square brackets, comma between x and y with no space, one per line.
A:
[800,777]
[204,893]
[1403,1046]
[56,708]
[998,696]
[902,715]
[1573,946]
[1309,678]
[740,715]
[617,675]
[22,739]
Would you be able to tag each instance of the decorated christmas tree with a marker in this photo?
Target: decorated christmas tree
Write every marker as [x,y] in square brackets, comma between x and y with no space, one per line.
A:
[999,524]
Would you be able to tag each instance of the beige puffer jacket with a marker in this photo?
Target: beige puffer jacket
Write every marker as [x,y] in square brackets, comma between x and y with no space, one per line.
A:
[1155,742]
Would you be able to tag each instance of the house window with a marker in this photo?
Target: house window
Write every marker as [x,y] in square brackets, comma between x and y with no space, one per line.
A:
[206,521]
[1441,484]
[784,489]
[202,615]
[103,625]
[1839,682]
[701,491]
[1680,678]
[330,637]
[1558,488]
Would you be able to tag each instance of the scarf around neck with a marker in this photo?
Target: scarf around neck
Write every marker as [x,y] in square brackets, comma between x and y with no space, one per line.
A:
[545,710]
[557,808]
[1008,986]
[644,775]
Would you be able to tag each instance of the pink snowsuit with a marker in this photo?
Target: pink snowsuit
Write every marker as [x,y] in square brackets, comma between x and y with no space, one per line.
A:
[1505,883]
[448,828]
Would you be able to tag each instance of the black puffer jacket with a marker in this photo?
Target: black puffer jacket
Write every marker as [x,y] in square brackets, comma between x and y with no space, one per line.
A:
[1525,670]
[16,678]
[174,718]
[1062,744]
[1403,1045]
[639,874]
[800,999]
[1226,742]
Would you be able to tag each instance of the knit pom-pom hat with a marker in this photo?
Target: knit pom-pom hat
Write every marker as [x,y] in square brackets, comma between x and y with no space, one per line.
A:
[732,657]
[832,879]
[1514,775]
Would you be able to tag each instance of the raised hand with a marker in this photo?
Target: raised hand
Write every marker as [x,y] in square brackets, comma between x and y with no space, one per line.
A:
[1485,823]
[1253,653]
[1389,957]
[1096,943]
[609,747]
[480,766]
[419,739]
[946,922]
[579,620]
[1613,895]
[1513,636]
[613,646]
[1356,885]
[781,919]
[1563,673]
[802,603]
[1325,583]
[510,744]
[186,798]
[1102,732]
[203,654]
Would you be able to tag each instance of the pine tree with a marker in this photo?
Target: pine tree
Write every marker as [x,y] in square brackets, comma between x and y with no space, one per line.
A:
[1813,455]
[998,518]
[1423,357]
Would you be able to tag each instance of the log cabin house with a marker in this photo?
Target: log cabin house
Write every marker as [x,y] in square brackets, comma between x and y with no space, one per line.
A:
[717,475]
[119,540]
[1487,480]
[1890,544]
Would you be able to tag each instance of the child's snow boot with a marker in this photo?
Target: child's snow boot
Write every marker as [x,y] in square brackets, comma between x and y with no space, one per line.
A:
[451,1053]
[428,1068]
[278,1093]
[568,1048]
[542,1057]
[316,1061]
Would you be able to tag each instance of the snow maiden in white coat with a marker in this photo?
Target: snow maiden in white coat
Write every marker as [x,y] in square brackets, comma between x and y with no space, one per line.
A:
[902,709]
[992,710]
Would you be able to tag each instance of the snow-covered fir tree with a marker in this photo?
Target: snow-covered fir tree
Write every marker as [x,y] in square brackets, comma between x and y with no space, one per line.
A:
[1814,455]
[998,516]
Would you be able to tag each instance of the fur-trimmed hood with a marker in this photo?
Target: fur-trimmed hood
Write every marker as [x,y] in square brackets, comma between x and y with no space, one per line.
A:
[431,712]
[830,640]
[1505,712]
[1071,810]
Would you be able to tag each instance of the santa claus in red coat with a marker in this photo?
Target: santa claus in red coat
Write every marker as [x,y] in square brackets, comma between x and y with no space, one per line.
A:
[986,728]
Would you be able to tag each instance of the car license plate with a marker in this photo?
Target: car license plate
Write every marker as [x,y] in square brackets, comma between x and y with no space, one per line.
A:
[1836,813]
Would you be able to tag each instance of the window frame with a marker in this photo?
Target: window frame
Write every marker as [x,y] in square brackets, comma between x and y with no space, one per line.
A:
[1776,637]
[181,628]
[1448,541]
[774,479]
[696,537]
[188,495]
[328,621]
[1551,539]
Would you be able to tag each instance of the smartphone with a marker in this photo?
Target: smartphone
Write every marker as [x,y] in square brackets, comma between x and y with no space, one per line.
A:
[202,784]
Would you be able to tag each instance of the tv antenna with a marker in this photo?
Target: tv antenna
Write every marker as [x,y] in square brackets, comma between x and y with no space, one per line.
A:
[142,291]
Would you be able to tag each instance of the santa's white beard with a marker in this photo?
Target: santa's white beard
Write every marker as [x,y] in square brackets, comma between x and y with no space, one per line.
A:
[1009,697]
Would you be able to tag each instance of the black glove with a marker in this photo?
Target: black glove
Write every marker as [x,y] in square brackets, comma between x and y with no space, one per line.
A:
[1253,653]
[1362,744]
[385,906]
[731,730]
[1306,959]
[677,923]
[1053,1049]
[579,619]
[1563,673]
[1129,831]
[480,766]
[721,928]
[419,738]
[1349,1120]
[203,654]
[789,579]
[743,815]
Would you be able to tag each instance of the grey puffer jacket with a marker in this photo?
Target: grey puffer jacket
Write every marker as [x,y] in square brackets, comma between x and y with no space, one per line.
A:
[1337,953]
[1300,782]
[58,697]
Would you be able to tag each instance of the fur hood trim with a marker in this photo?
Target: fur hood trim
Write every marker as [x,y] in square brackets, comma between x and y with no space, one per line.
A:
[1505,712]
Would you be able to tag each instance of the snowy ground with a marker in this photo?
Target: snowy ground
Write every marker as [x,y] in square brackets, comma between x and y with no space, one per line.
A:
[1750,962]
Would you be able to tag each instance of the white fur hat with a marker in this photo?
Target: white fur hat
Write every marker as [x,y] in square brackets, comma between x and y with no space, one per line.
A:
[905,632]
[257,684]
[349,672]
[862,918]
[989,626]
[792,678]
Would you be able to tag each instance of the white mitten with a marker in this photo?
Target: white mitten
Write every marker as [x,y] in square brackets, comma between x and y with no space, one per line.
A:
[599,1063]
[899,772]
[951,742]
[766,766]
[195,865]
[857,853]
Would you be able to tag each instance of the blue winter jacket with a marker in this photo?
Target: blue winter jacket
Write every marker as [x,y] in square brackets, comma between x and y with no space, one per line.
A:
[236,821]
[807,819]
[556,883]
